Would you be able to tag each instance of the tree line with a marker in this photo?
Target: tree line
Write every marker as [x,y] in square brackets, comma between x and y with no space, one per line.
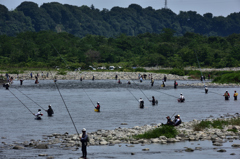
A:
[134,20]
[42,49]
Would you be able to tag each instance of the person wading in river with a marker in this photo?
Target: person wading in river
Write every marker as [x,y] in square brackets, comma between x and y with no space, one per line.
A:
[175,84]
[98,106]
[50,110]
[152,81]
[235,95]
[206,90]
[38,115]
[227,95]
[84,140]
[153,100]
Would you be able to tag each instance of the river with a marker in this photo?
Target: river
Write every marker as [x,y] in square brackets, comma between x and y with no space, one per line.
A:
[118,105]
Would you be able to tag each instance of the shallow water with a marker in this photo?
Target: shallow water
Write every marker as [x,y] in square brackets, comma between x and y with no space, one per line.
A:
[118,106]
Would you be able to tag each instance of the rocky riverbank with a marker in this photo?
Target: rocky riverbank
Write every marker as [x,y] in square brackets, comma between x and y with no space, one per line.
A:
[87,75]
[125,136]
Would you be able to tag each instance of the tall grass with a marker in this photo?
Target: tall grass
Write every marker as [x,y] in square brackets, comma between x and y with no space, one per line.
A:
[166,130]
[218,124]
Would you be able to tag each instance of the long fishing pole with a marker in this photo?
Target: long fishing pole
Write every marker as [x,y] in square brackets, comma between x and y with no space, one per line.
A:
[199,67]
[88,97]
[139,89]
[65,105]
[22,102]
[30,99]
[129,92]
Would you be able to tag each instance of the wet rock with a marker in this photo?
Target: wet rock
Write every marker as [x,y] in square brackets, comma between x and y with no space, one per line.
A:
[41,146]
[130,146]
[132,153]
[103,142]
[18,147]
[189,150]
[221,150]
[232,154]
[146,149]
[217,144]
[124,124]
[43,155]
[3,137]
[236,145]
[198,148]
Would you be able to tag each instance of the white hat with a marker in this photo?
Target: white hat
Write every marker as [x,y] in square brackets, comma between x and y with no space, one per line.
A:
[50,105]
[98,102]
[83,129]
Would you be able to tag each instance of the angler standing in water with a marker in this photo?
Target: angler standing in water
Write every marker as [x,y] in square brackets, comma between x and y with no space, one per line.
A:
[227,95]
[181,99]
[50,110]
[119,82]
[165,78]
[141,103]
[38,115]
[93,78]
[153,100]
[206,90]
[21,81]
[152,81]
[81,79]
[98,106]
[116,77]
[175,84]
[235,95]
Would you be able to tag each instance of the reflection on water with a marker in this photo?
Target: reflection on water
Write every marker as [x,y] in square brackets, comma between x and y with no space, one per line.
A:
[117,106]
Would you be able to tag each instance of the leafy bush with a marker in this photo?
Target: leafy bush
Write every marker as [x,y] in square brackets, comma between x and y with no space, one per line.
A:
[13,72]
[177,71]
[61,72]
[228,78]
[165,130]
[140,70]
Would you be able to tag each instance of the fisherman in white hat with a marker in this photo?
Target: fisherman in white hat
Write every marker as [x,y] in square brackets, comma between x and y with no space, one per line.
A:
[84,139]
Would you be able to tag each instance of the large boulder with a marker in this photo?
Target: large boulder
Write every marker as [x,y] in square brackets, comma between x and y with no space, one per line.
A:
[41,146]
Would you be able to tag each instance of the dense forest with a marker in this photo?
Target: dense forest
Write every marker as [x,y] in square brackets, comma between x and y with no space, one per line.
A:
[41,49]
[134,20]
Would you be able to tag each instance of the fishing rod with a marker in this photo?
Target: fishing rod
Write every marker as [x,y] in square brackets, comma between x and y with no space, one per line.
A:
[30,98]
[199,67]
[139,89]
[129,92]
[65,104]
[21,102]
[88,97]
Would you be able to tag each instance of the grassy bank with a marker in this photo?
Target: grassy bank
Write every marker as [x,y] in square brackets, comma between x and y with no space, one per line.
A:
[228,77]
[168,131]
[218,124]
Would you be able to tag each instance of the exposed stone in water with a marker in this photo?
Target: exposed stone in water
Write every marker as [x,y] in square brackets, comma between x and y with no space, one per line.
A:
[221,150]
[189,150]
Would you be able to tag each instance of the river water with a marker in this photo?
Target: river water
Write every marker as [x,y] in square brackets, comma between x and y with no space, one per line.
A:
[118,105]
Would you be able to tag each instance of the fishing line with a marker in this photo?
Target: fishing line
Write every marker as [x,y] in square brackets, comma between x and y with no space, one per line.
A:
[21,102]
[128,91]
[88,97]
[65,104]
[139,88]
[30,99]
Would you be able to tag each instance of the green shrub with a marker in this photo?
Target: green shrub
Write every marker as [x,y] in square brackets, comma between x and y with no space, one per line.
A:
[177,71]
[233,130]
[13,72]
[140,70]
[218,124]
[61,72]
[165,130]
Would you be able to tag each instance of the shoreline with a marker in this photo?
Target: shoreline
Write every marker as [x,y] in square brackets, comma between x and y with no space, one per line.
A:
[125,136]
